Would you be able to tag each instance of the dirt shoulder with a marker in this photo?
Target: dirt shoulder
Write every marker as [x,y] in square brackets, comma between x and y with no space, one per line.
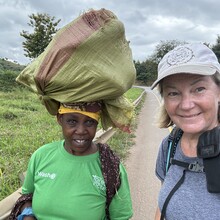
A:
[141,161]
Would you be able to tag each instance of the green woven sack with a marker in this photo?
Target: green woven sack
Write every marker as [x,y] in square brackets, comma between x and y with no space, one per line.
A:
[88,60]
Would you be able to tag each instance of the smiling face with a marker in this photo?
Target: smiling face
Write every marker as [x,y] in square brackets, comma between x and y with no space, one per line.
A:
[191,101]
[78,131]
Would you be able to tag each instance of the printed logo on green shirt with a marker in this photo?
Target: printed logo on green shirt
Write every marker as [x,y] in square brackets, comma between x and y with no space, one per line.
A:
[47,175]
[99,182]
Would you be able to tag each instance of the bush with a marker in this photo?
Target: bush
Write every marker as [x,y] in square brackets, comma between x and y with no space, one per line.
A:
[7,81]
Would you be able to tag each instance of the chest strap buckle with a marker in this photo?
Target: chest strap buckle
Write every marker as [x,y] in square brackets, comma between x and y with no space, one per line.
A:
[196,167]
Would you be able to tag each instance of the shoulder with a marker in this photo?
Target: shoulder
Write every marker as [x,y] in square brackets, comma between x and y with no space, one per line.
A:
[106,153]
[162,158]
[166,151]
[174,135]
[164,145]
[47,148]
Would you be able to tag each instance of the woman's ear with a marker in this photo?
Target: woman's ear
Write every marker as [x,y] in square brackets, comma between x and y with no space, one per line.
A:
[59,119]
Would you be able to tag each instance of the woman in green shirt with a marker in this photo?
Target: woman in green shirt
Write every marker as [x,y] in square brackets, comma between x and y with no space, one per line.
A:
[66,177]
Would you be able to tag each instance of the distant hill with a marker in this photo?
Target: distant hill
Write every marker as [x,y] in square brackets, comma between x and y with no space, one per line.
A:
[8,65]
[8,73]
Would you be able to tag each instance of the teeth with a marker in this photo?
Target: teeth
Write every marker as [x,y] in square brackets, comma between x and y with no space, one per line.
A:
[80,141]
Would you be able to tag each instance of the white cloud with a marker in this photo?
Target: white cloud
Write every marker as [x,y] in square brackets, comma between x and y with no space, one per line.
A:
[146,22]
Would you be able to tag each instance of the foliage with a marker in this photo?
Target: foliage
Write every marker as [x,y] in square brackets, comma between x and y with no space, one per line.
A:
[133,94]
[147,70]
[44,28]
[7,81]
[164,47]
[141,71]
[8,65]
[151,71]
[216,48]
[121,142]
[24,126]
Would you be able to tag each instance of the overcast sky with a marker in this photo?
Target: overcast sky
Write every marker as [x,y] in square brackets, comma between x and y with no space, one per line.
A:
[147,22]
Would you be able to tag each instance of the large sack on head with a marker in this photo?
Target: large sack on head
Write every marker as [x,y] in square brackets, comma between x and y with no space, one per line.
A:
[88,60]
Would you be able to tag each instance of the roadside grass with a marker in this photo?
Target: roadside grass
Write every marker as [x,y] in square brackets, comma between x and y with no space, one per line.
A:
[121,142]
[25,125]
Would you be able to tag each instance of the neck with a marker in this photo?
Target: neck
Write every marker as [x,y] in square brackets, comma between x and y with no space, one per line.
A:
[189,145]
[91,150]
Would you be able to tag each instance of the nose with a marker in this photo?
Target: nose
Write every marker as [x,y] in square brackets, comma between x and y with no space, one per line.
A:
[80,129]
[186,102]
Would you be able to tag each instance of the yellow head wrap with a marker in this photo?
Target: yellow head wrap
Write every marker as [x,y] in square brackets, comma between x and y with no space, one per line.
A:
[82,108]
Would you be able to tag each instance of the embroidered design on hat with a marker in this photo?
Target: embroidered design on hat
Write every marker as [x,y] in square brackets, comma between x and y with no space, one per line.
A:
[179,56]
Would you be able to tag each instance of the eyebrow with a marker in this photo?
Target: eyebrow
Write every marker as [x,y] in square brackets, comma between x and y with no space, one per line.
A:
[201,78]
[169,86]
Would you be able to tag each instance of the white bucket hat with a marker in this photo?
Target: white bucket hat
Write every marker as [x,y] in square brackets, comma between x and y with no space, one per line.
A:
[194,58]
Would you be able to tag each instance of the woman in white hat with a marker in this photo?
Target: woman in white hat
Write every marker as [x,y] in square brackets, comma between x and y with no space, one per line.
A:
[189,83]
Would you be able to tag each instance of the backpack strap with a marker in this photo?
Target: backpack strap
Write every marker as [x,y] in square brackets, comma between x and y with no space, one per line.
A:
[110,170]
[178,184]
[193,167]
[173,140]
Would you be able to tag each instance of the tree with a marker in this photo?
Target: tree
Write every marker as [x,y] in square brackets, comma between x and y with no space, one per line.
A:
[216,48]
[140,71]
[164,47]
[146,71]
[44,28]
[151,67]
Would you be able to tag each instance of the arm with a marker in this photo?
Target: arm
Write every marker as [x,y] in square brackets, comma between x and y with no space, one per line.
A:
[29,218]
[157,214]
[160,172]
[27,204]
[121,205]
[25,200]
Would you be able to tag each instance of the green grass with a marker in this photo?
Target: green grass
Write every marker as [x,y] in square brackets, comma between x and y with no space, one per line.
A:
[121,142]
[25,125]
[133,94]
[8,65]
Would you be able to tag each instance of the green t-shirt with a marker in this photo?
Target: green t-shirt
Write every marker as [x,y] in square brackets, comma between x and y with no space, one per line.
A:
[72,187]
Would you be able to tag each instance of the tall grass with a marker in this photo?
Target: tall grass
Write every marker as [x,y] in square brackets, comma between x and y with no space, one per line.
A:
[121,142]
[25,125]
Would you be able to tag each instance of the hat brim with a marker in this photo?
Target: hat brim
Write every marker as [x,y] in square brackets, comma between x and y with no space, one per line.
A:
[190,69]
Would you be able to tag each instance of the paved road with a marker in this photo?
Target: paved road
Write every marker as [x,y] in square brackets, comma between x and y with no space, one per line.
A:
[141,162]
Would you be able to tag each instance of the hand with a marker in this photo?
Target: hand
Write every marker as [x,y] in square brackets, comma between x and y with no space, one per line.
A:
[29,218]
